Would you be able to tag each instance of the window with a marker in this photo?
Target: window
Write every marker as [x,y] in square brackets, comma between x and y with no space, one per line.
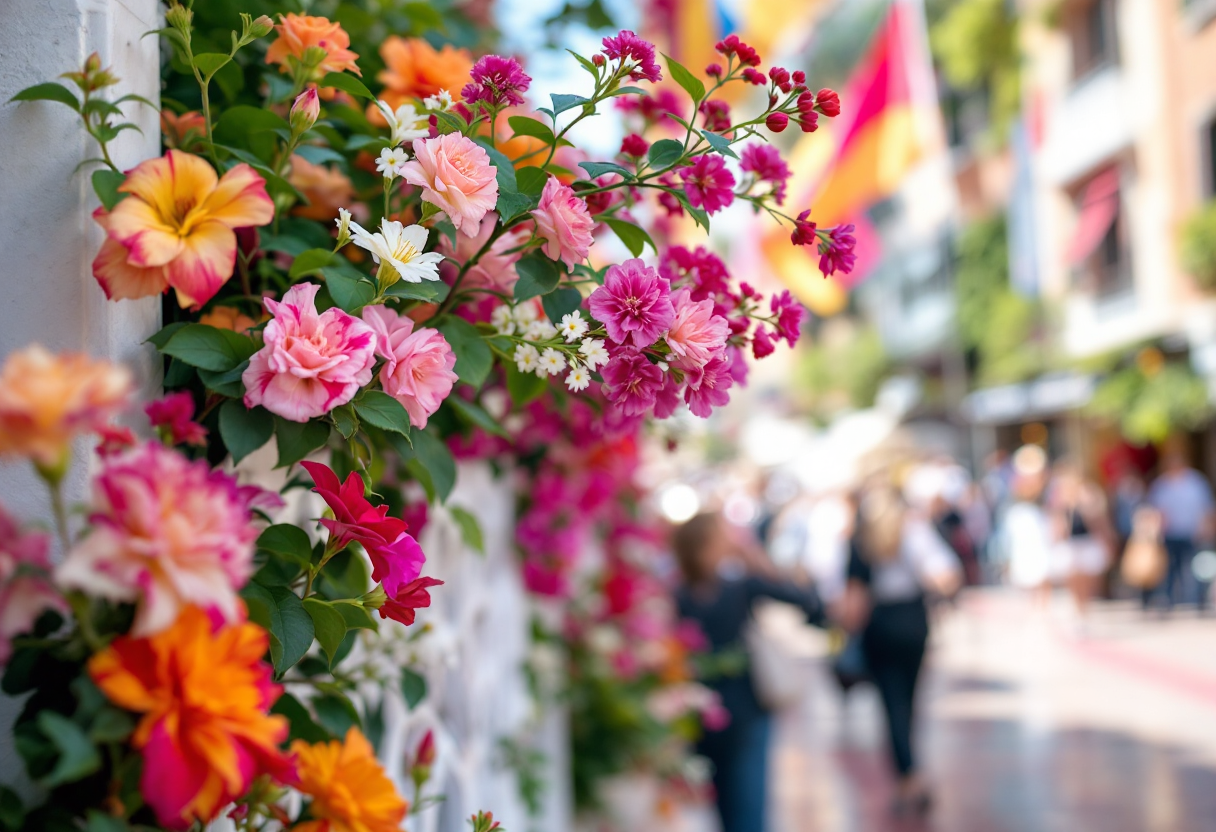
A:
[1092,28]
[1098,249]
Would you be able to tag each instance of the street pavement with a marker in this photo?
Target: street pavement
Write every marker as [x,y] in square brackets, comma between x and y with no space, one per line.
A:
[1029,721]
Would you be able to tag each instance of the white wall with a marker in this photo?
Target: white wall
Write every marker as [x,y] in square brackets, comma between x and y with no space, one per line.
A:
[47,238]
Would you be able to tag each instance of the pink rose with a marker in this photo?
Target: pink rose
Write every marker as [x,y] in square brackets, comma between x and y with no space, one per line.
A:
[496,268]
[311,362]
[696,333]
[456,176]
[168,532]
[564,223]
[25,586]
[418,365]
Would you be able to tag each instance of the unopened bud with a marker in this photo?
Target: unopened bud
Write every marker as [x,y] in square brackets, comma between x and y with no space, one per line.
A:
[598,59]
[714,70]
[305,111]
[343,223]
[261,27]
[180,18]
[313,57]
[375,599]
[777,122]
[92,63]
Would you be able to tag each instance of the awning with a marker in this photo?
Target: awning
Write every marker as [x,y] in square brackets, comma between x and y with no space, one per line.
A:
[1099,205]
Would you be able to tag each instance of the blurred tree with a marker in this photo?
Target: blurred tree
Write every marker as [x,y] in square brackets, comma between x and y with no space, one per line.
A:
[975,43]
[842,369]
[1151,400]
[1197,248]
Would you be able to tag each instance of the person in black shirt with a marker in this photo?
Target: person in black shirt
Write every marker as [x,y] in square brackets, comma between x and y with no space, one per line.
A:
[721,603]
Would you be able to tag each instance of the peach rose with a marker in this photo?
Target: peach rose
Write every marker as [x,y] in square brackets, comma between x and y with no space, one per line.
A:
[326,190]
[415,69]
[563,222]
[46,400]
[228,317]
[300,32]
[456,176]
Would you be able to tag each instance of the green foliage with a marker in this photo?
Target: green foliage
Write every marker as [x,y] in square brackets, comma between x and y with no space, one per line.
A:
[842,370]
[1197,247]
[1149,407]
[975,42]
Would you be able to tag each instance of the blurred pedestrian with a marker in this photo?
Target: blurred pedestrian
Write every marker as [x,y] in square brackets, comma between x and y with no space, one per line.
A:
[1025,530]
[1082,531]
[719,596]
[897,559]
[1184,498]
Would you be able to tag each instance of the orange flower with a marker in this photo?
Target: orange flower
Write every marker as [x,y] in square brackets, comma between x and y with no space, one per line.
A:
[177,228]
[228,317]
[46,399]
[349,789]
[326,190]
[205,734]
[300,32]
[414,69]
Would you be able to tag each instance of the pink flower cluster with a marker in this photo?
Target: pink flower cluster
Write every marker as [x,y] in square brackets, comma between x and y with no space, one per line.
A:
[26,591]
[497,82]
[635,54]
[167,533]
[564,223]
[418,367]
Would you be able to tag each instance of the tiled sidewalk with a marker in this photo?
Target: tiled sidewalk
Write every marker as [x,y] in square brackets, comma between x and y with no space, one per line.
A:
[1025,727]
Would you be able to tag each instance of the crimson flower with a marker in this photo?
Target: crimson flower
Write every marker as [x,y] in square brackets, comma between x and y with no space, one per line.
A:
[804,230]
[634,304]
[717,115]
[634,145]
[707,386]
[631,382]
[762,343]
[497,81]
[765,161]
[836,254]
[708,184]
[173,416]
[788,313]
[402,605]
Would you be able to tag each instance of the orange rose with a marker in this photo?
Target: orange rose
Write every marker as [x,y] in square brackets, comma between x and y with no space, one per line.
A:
[228,317]
[414,69]
[185,132]
[326,190]
[300,32]
[46,400]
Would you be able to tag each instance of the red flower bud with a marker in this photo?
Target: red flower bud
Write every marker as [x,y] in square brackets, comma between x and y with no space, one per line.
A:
[598,59]
[804,230]
[809,122]
[304,111]
[634,145]
[714,70]
[772,100]
[778,75]
[799,77]
[425,755]
[806,103]
[828,102]
[751,76]
[777,122]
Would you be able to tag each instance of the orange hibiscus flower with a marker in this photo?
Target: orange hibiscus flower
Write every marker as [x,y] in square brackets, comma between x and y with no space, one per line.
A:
[326,190]
[300,32]
[204,694]
[349,789]
[176,229]
[415,69]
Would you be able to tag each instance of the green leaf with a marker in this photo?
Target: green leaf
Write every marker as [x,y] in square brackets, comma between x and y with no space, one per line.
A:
[428,291]
[524,387]
[328,624]
[12,813]
[691,83]
[162,336]
[319,155]
[336,713]
[561,102]
[345,420]
[597,169]
[451,121]
[719,143]
[281,612]
[538,275]
[476,415]
[297,440]
[209,348]
[99,821]
[244,430]
[470,529]
[413,687]
[531,180]
[105,184]
[627,91]
[356,616]
[473,356]
[664,153]
[561,302]
[303,726]
[227,383]
[634,237]
[50,91]
[310,262]
[287,541]
[381,410]
[350,293]
[78,757]
[347,83]
[284,243]
[524,126]
[209,63]
[511,203]
[433,457]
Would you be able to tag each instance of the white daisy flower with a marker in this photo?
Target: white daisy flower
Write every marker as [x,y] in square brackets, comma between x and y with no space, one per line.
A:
[525,313]
[502,320]
[594,352]
[390,161]
[343,223]
[441,101]
[578,378]
[552,361]
[405,123]
[401,248]
[527,359]
[573,326]
[540,330]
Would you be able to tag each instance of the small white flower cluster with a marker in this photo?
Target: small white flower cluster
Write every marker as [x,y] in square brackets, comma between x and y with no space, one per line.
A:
[441,101]
[390,162]
[525,319]
[405,124]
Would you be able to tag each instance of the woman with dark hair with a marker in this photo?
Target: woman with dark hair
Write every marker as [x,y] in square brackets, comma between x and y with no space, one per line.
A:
[720,599]
[897,558]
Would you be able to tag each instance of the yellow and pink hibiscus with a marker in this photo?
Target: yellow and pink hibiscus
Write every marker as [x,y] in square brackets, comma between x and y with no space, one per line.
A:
[204,694]
[177,228]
